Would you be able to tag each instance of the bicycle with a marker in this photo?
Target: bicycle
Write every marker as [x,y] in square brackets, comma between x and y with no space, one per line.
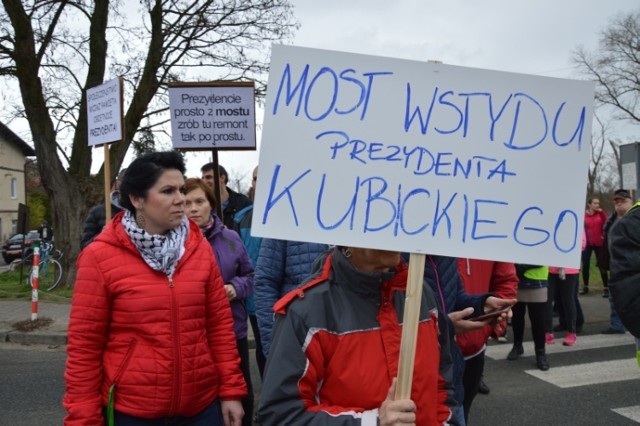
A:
[49,268]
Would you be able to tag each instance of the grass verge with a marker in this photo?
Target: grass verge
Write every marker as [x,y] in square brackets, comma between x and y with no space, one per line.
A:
[12,288]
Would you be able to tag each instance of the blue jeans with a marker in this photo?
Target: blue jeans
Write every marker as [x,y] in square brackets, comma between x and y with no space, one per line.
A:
[458,415]
[614,322]
[210,416]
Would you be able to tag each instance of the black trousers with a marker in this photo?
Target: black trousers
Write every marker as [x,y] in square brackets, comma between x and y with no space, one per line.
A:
[586,264]
[247,403]
[536,316]
[563,292]
[473,369]
[261,360]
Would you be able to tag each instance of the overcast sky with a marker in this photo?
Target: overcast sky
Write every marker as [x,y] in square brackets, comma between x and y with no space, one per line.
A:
[531,37]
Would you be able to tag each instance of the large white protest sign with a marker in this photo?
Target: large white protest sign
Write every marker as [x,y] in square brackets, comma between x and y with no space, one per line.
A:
[218,115]
[104,112]
[422,157]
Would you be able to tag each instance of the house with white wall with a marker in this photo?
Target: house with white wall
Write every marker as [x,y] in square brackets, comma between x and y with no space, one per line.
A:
[13,157]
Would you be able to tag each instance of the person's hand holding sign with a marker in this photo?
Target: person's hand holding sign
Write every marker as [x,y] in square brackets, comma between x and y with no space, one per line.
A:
[396,412]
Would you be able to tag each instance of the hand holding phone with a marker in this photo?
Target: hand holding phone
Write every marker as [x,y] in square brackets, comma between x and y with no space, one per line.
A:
[492,314]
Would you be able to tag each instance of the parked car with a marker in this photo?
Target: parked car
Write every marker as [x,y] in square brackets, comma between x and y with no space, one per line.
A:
[12,248]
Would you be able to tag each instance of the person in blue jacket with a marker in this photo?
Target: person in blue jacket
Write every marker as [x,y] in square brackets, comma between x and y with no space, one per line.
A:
[282,265]
[242,222]
[442,276]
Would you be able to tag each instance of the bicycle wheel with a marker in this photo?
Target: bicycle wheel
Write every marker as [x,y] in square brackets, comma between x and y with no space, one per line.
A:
[49,274]
[27,259]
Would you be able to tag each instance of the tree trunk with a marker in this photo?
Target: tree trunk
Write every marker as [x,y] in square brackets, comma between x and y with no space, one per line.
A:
[35,45]
[69,218]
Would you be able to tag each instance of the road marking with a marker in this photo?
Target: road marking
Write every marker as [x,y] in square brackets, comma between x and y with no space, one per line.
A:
[632,413]
[594,341]
[589,373]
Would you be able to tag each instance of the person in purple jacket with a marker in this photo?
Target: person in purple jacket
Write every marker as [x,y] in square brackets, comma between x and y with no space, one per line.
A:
[235,268]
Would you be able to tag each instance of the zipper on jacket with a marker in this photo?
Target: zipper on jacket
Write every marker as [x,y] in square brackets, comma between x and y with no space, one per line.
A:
[177,387]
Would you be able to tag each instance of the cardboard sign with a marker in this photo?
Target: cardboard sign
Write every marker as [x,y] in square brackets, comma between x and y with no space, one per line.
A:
[104,112]
[215,115]
[423,157]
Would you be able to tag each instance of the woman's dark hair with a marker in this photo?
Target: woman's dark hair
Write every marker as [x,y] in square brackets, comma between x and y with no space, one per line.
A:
[144,172]
[192,184]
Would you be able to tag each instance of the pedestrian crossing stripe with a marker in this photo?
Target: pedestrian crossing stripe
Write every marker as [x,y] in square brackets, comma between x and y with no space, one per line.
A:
[632,413]
[594,341]
[591,373]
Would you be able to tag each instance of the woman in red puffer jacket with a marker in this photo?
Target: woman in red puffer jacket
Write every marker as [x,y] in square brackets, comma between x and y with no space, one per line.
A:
[151,332]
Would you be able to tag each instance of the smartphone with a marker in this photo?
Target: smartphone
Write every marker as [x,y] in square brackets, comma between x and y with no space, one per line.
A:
[490,315]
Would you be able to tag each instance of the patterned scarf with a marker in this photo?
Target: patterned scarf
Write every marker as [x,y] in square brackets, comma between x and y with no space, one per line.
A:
[160,252]
[207,227]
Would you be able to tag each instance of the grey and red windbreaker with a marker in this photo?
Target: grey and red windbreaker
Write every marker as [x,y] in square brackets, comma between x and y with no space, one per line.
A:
[336,345]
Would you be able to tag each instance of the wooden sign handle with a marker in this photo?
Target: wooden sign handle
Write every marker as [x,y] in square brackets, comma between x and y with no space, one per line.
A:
[413,298]
[107,184]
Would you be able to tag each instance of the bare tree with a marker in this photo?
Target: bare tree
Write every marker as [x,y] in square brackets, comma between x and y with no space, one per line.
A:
[615,65]
[598,144]
[615,149]
[239,181]
[56,49]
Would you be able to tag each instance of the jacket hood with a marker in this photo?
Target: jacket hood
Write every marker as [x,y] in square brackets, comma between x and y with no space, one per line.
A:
[237,218]
[216,229]
[115,199]
[336,268]
[366,283]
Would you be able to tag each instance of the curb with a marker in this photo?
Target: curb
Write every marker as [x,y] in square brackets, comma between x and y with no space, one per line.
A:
[24,338]
[50,338]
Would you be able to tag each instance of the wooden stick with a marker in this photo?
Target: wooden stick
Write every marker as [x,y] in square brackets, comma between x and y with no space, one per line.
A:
[217,189]
[107,184]
[413,298]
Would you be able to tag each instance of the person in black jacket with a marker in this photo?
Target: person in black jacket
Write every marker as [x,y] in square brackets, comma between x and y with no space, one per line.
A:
[45,231]
[96,219]
[624,246]
[623,203]
[232,201]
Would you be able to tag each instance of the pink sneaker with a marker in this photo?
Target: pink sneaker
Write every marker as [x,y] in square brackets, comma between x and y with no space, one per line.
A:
[570,339]
[549,339]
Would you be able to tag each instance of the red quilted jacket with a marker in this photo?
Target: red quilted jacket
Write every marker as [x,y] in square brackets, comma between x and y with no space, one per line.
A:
[479,277]
[168,349]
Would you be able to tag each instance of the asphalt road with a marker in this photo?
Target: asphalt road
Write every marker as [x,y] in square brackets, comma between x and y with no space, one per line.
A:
[522,395]
[32,385]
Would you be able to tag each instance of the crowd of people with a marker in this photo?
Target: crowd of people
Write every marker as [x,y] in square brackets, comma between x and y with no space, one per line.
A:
[167,289]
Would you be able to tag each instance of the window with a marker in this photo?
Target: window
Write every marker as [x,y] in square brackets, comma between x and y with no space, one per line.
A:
[14,188]
[14,226]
